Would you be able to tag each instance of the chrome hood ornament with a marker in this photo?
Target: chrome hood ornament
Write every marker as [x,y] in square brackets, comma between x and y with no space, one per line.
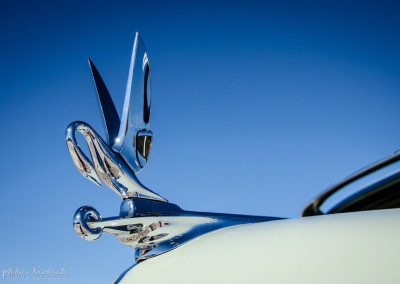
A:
[147,222]
[128,141]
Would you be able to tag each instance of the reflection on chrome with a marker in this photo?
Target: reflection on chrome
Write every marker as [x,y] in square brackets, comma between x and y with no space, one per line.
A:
[147,222]
[81,218]
[108,166]
[126,150]
[152,233]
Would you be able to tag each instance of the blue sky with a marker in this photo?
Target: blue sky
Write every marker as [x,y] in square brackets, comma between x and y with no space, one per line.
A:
[257,106]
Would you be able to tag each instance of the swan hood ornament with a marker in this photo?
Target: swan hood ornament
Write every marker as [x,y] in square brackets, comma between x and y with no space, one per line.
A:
[147,222]
[126,149]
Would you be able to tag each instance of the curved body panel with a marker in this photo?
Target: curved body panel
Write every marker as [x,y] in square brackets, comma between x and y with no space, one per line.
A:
[361,247]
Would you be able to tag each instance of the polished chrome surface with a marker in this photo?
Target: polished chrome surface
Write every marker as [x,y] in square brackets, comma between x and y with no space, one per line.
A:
[153,228]
[108,166]
[126,150]
[82,216]
[147,222]
[109,114]
[136,112]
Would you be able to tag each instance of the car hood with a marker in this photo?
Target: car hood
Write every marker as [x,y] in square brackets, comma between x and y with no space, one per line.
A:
[360,247]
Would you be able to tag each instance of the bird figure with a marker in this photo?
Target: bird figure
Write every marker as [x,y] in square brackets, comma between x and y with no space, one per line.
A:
[116,160]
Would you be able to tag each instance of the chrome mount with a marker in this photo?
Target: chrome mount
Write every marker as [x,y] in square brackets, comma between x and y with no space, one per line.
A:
[152,227]
[147,222]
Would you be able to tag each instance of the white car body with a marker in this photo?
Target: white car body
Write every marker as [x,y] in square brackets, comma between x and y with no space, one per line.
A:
[359,247]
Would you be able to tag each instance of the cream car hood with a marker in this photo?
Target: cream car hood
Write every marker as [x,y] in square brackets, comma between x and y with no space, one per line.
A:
[361,247]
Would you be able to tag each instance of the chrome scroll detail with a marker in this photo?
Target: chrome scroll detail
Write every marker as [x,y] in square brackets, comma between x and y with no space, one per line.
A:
[155,227]
[126,150]
[82,217]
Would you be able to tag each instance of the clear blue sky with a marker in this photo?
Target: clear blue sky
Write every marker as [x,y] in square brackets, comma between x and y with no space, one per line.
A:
[256,108]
